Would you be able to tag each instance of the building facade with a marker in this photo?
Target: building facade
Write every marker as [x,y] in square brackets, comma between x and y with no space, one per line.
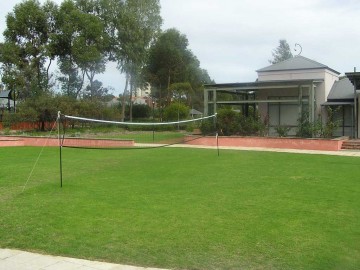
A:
[287,90]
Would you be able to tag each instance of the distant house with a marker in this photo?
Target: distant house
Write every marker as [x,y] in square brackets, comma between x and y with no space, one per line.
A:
[195,113]
[286,90]
[7,100]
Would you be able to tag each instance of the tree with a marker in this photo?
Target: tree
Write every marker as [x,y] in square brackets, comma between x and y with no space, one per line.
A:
[182,92]
[176,111]
[137,26]
[171,63]
[25,51]
[81,46]
[281,53]
[96,90]
[92,45]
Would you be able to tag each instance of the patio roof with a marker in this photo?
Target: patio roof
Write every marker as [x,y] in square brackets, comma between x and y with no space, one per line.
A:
[354,78]
[5,94]
[341,90]
[258,85]
[338,103]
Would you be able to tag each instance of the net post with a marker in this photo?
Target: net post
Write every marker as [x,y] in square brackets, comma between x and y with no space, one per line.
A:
[60,148]
[217,143]
[217,134]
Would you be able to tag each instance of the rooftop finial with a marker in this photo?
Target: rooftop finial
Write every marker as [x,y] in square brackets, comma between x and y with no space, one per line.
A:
[297,44]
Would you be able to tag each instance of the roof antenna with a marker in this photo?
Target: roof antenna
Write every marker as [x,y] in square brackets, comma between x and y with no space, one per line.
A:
[297,44]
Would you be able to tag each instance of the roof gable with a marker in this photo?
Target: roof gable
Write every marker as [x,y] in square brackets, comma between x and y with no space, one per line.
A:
[341,90]
[296,63]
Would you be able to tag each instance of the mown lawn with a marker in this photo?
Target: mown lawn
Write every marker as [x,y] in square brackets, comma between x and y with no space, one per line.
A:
[184,208]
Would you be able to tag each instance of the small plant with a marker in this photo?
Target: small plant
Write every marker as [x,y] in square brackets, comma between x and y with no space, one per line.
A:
[331,124]
[7,131]
[282,131]
[307,129]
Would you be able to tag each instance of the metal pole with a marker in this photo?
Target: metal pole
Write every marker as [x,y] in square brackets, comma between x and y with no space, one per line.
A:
[60,149]
[153,104]
[61,178]
[217,144]
[355,109]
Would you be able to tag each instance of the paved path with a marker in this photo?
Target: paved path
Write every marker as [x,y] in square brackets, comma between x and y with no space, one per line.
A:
[349,153]
[20,260]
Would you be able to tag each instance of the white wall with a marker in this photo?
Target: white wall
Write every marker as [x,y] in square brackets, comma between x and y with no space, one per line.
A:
[322,89]
[311,74]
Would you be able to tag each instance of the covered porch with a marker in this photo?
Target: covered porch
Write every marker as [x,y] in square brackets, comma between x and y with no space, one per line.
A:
[279,103]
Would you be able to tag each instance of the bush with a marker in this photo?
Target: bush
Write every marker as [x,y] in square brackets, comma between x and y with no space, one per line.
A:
[207,127]
[231,122]
[228,122]
[10,119]
[306,129]
[282,131]
[331,124]
[141,111]
[252,124]
[175,112]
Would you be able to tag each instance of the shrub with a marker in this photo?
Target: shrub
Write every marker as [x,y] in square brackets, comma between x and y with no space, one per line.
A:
[331,124]
[207,127]
[141,111]
[176,111]
[228,122]
[10,119]
[282,131]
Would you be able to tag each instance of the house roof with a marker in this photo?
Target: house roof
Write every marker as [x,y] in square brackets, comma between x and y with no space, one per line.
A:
[296,63]
[341,90]
[4,94]
[354,77]
[195,112]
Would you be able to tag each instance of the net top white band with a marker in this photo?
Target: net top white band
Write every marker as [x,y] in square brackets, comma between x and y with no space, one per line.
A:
[135,123]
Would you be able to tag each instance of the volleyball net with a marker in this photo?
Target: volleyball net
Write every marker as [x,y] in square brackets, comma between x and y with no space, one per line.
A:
[81,132]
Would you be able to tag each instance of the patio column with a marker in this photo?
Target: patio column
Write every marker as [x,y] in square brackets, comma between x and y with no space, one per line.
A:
[215,101]
[355,112]
[206,102]
[300,100]
[312,103]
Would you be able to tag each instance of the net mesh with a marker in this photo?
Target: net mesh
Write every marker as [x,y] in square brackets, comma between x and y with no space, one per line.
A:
[80,132]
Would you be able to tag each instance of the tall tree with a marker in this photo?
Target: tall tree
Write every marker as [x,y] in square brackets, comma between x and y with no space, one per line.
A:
[92,45]
[67,27]
[281,53]
[138,24]
[81,44]
[25,49]
[172,66]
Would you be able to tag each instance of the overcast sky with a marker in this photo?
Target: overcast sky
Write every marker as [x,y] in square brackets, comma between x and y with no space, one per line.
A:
[234,38]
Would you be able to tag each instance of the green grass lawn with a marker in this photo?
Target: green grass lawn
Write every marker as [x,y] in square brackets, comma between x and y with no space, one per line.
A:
[165,137]
[184,208]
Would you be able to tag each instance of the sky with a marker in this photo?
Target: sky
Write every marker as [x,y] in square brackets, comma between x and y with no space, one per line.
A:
[234,38]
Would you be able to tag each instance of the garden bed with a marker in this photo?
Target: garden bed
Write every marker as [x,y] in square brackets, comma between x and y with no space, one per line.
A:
[271,142]
[74,142]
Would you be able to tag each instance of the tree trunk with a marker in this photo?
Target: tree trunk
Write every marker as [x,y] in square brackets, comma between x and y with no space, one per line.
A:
[123,101]
[131,95]
[168,89]
[47,76]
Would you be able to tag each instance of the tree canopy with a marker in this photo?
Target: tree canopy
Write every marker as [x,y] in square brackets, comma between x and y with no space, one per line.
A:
[82,36]
[281,53]
[173,70]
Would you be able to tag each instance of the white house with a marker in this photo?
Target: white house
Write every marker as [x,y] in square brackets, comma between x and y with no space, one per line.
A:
[286,90]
